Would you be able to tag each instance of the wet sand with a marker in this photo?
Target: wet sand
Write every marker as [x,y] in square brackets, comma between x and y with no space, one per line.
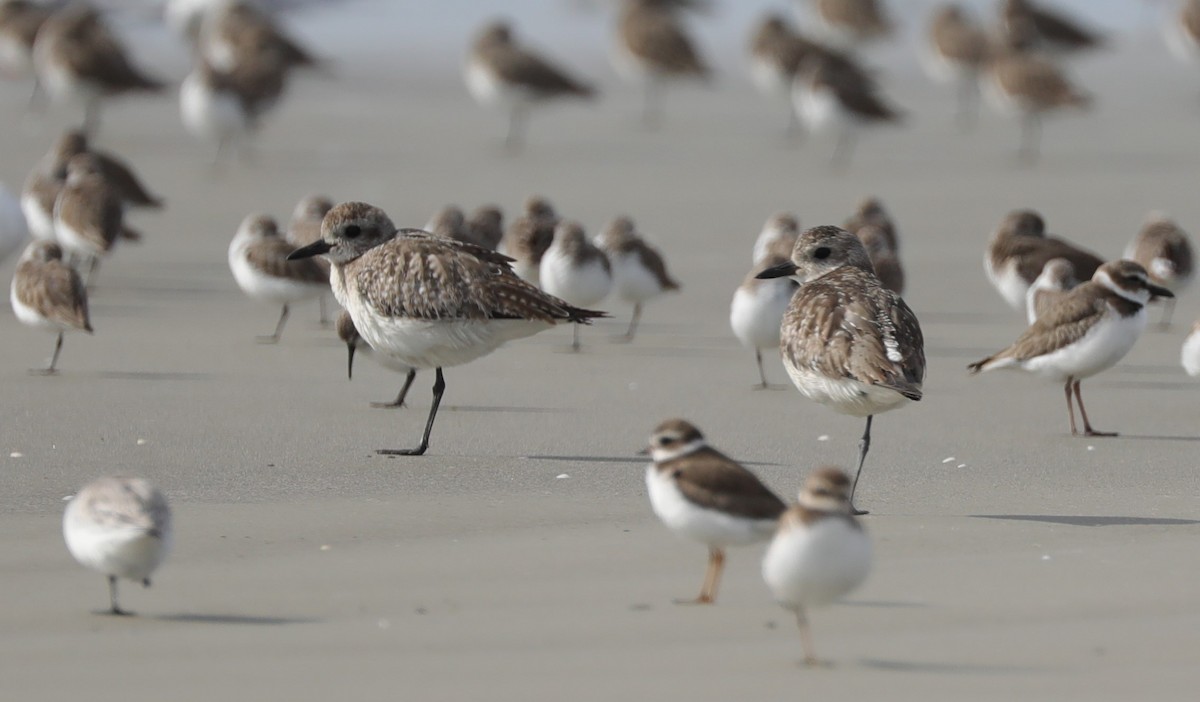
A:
[519,558]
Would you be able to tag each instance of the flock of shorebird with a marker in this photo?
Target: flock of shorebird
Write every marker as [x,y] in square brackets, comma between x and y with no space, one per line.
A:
[828,297]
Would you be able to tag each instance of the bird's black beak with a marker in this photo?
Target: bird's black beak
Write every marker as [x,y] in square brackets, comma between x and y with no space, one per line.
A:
[1159,291]
[781,271]
[316,248]
[352,347]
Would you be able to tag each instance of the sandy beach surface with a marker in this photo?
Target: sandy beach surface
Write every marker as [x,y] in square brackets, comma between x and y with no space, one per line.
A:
[519,559]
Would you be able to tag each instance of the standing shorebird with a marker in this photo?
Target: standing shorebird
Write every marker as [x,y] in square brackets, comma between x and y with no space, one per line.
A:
[703,495]
[1019,250]
[575,270]
[829,98]
[1090,328]
[1045,30]
[354,343]
[48,294]
[653,49]
[1163,249]
[639,271]
[848,342]
[305,228]
[426,301]
[758,308]
[1056,278]
[78,58]
[777,237]
[1190,355]
[851,22]
[528,236]
[500,72]
[120,527]
[956,54]
[258,259]
[89,214]
[820,552]
[776,52]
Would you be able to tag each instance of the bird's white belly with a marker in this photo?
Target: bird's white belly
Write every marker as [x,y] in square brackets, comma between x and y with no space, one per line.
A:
[208,114]
[815,565]
[756,316]
[633,281]
[1099,349]
[583,286]
[124,552]
[30,317]
[844,395]
[40,221]
[1009,283]
[1190,356]
[487,88]
[707,526]
[820,109]
[269,288]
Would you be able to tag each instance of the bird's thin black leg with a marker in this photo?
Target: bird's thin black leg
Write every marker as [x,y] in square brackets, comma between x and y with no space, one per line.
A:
[864,445]
[439,388]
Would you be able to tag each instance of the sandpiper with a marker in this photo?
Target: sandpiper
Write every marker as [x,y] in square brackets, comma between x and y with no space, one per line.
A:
[575,270]
[305,228]
[758,308]
[639,271]
[227,105]
[777,237]
[258,259]
[485,226]
[120,527]
[230,27]
[847,341]
[48,294]
[654,48]
[527,238]
[427,301]
[78,58]
[500,72]
[829,98]
[1056,278]
[1046,30]
[354,343]
[13,229]
[449,222]
[956,54]
[776,51]
[820,551]
[1028,85]
[89,215]
[1090,328]
[703,495]
[883,258]
[870,211]
[1190,355]
[1163,249]
[853,22]
[1019,250]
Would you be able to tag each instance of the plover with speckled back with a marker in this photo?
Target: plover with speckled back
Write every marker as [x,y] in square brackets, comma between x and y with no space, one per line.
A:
[575,270]
[1163,249]
[848,342]
[427,301]
[701,494]
[258,259]
[820,552]
[1086,332]
[120,527]
[48,294]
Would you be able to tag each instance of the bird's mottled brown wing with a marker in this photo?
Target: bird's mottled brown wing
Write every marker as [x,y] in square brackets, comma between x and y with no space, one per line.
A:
[710,479]
[873,338]
[269,255]
[94,52]
[123,179]
[655,37]
[521,67]
[55,290]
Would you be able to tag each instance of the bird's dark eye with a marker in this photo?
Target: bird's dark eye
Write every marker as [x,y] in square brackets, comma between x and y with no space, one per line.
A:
[822,253]
[664,440]
[352,231]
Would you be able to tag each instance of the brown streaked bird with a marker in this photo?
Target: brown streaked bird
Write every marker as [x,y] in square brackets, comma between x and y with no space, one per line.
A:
[1039,28]
[227,106]
[870,211]
[89,215]
[883,257]
[1056,278]
[756,313]
[829,98]
[229,29]
[485,226]
[48,294]
[528,237]
[703,495]
[1020,248]
[654,48]
[639,271]
[1089,330]
[957,53]
[777,237]
[78,58]
[776,51]
[50,174]
[1163,249]
[305,228]
[501,73]
[20,21]
[853,21]
[426,301]
[1029,86]
[354,343]
[848,342]
[575,270]
[258,259]
[820,552]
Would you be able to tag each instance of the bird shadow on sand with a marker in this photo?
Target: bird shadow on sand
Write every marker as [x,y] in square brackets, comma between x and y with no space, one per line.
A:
[237,619]
[1089,521]
[950,668]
